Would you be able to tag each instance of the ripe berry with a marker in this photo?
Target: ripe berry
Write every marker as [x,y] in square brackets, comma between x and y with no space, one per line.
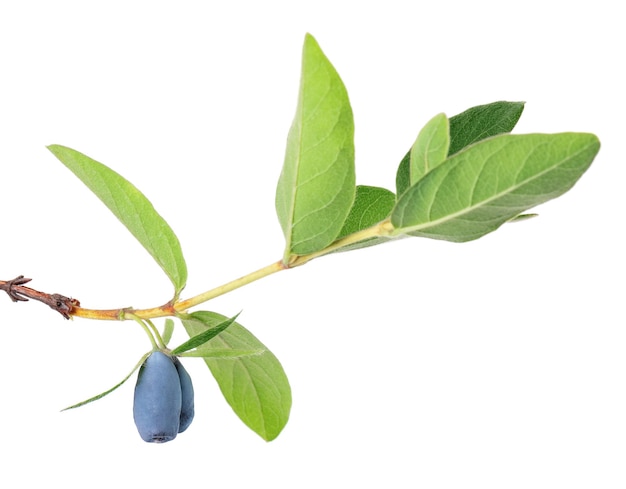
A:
[158,399]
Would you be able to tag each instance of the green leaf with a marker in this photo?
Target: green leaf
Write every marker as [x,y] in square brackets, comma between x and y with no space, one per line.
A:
[317,184]
[403,175]
[168,330]
[481,122]
[371,205]
[221,353]
[202,338]
[132,208]
[491,182]
[255,386]
[430,148]
[471,126]
[100,396]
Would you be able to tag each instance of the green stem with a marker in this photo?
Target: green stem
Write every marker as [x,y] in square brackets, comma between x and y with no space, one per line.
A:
[182,306]
[382,229]
[146,328]
[156,334]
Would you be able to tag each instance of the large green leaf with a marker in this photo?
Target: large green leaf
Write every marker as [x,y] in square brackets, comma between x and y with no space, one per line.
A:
[316,187]
[430,148]
[491,182]
[255,386]
[132,208]
[468,127]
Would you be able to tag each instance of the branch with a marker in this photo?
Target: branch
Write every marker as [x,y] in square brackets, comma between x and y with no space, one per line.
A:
[71,307]
[18,293]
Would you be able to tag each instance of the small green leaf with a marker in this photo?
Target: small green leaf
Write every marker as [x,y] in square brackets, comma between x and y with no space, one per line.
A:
[168,330]
[100,396]
[430,148]
[371,205]
[481,122]
[255,386]
[202,338]
[491,182]
[317,184]
[221,353]
[132,208]
[471,126]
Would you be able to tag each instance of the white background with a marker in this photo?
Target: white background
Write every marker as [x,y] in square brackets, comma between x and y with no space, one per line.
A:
[499,363]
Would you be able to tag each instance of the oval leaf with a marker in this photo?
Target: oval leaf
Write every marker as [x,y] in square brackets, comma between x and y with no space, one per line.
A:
[255,385]
[481,122]
[132,208]
[316,187]
[430,148]
[491,182]
[371,205]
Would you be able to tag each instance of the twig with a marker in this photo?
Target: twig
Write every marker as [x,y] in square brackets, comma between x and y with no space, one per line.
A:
[17,292]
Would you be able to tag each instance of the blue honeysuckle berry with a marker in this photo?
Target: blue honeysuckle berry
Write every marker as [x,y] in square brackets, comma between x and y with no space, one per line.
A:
[186,387]
[158,399]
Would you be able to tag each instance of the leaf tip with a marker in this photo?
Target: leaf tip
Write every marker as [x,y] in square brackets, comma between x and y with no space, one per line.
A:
[311,43]
[53,148]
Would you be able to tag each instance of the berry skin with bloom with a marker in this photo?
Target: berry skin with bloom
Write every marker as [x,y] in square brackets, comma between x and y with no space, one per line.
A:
[158,399]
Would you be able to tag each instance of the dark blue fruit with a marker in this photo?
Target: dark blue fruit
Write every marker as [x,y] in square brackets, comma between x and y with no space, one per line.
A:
[186,388]
[158,399]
